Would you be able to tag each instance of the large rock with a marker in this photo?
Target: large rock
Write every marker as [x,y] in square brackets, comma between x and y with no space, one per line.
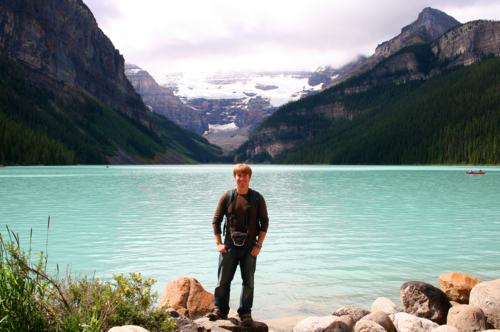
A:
[457,286]
[382,319]
[325,324]
[486,295]
[127,328]
[385,305]
[467,318]
[366,325]
[184,324]
[405,322]
[231,324]
[425,300]
[445,328]
[188,297]
[283,324]
[356,313]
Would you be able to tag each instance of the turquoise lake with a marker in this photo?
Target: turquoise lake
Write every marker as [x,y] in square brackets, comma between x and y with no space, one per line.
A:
[338,235]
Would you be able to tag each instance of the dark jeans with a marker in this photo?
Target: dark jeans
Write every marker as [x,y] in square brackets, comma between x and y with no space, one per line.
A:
[227,267]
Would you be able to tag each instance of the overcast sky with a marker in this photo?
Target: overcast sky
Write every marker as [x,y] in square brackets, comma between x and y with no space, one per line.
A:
[164,36]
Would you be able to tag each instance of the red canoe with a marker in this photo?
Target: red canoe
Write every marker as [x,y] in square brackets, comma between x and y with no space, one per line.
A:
[475,172]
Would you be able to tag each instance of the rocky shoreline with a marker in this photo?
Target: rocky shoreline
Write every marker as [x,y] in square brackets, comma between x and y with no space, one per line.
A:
[462,303]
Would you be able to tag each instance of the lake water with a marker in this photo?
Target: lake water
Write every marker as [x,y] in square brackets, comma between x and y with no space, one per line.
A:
[338,235]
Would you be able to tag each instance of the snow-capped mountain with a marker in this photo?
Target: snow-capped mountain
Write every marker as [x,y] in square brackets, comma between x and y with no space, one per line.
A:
[277,87]
[234,103]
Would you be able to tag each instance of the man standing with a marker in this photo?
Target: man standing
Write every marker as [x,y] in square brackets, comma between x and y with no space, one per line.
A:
[244,233]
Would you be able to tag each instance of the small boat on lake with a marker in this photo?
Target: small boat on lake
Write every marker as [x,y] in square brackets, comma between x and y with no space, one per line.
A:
[471,172]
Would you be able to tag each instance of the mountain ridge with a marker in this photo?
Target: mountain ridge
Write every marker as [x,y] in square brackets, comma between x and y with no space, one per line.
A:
[55,50]
[299,122]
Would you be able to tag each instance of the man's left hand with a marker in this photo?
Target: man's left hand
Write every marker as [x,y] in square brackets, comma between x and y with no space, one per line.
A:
[255,251]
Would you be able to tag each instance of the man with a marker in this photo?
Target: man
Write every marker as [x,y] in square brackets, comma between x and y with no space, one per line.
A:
[244,234]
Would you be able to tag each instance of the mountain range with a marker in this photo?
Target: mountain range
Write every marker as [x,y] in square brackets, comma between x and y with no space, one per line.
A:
[429,95]
[224,108]
[64,96]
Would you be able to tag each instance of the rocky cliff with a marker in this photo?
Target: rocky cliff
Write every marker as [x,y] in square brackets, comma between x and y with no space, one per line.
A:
[64,82]
[61,40]
[429,26]
[468,43]
[162,100]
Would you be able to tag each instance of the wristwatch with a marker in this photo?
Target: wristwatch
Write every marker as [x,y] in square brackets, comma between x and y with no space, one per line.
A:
[258,245]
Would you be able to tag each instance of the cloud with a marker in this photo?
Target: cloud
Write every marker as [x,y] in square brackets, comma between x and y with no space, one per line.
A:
[201,35]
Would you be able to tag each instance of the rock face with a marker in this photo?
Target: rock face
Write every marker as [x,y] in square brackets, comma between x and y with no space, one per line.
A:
[486,295]
[468,43]
[467,318]
[457,286]
[73,90]
[162,100]
[37,33]
[188,297]
[429,26]
[425,300]
[409,323]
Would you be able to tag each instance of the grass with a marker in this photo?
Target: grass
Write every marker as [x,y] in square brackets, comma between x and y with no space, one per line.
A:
[31,300]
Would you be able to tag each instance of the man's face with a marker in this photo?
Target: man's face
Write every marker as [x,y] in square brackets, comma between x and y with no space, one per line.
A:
[242,180]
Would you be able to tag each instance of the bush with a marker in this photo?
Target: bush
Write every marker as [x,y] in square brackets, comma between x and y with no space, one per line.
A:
[31,300]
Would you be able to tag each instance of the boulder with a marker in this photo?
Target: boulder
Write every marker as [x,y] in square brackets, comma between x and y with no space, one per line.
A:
[356,313]
[486,295]
[127,328]
[382,319]
[366,325]
[445,328]
[424,300]
[188,297]
[231,324]
[283,324]
[385,305]
[457,286]
[185,324]
[467,318]
[405,322]
[325,324]
[341,324]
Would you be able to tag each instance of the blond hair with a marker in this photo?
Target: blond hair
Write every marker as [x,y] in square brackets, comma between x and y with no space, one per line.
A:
[242,168]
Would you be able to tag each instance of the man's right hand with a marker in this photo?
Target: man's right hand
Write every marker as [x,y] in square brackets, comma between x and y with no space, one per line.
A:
[222,248]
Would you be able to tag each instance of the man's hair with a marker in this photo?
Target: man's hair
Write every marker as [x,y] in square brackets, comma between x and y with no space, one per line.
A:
[242,168]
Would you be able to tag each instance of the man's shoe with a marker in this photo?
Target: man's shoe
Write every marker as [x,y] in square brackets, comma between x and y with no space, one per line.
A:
[246,320]
[215,315]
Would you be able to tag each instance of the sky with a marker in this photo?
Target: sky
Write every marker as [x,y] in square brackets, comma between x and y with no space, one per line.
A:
[166,36]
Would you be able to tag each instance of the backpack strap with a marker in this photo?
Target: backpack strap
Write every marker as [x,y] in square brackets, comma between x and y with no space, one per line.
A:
[230,198]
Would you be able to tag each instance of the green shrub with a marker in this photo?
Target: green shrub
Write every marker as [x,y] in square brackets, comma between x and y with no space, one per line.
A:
[31,300]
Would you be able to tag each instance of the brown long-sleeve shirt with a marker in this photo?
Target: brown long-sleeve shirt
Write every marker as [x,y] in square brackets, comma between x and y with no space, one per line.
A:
[258,219]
